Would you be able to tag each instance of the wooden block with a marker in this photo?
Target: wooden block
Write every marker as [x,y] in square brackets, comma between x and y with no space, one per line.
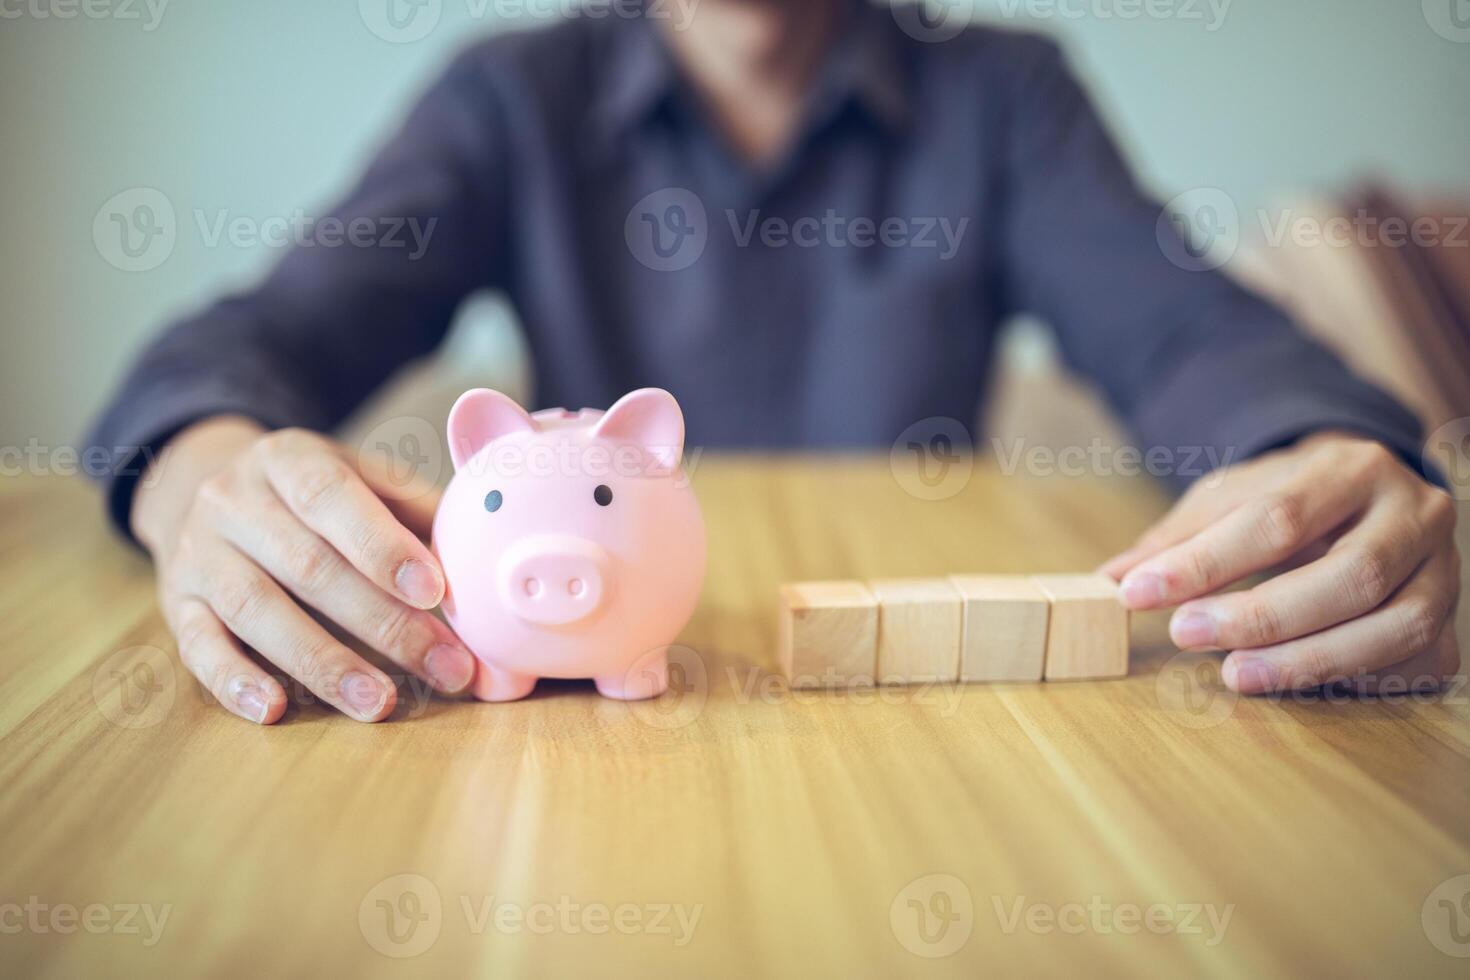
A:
[919,623]
[1087,634]
[1004,637]
[828,634]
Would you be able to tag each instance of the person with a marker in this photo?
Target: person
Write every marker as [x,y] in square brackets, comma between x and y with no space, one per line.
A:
[740,205]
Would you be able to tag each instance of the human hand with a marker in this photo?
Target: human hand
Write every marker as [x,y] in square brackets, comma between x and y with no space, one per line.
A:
[247,528]
[1370,582]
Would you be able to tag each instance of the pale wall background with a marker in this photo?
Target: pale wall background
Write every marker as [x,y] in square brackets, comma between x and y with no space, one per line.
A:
[260,108]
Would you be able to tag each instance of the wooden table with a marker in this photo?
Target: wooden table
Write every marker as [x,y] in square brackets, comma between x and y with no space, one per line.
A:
[731,828]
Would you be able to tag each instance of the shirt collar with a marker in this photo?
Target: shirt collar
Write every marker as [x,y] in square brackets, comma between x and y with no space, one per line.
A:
[638,75]
[866,66]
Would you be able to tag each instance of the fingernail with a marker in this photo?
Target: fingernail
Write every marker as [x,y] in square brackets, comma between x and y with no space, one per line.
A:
[419,583]
[1250,675]
[449,667]
[1192,628]
[362,693]
[1142,589]
[252,701]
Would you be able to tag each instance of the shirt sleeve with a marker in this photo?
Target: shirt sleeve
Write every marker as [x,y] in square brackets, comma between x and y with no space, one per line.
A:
[373,283]
[1198,367]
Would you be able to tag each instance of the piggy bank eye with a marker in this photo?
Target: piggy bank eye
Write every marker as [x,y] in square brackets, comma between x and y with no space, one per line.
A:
[492,501]
[603,495]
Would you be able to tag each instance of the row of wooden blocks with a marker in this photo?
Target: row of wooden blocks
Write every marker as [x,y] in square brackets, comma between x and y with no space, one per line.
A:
[964,627]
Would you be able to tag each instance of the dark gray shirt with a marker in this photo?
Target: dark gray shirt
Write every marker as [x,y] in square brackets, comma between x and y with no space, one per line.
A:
[828,300]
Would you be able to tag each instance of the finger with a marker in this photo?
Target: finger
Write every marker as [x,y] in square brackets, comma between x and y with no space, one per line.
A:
[1402,628]
[255,609]
[319,576]
[330,497]
[413,502]
[1427,671]
[1120,564]
[212,655]
[1263,531]
[1363,568]
[1187,517]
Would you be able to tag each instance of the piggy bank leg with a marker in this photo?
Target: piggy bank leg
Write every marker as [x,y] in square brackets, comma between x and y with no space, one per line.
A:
[645,679]
[494,684]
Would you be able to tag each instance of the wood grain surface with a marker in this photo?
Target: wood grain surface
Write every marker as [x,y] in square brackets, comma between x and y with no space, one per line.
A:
[1153,825]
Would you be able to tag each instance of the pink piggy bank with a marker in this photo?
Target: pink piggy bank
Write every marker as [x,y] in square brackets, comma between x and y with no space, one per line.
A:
[572,543]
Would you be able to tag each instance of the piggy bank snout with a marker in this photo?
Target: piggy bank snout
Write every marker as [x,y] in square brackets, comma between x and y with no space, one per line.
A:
[553,579]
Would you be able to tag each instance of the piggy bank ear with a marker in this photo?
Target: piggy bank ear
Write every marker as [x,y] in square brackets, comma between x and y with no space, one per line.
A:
[480,416]
[650,419]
